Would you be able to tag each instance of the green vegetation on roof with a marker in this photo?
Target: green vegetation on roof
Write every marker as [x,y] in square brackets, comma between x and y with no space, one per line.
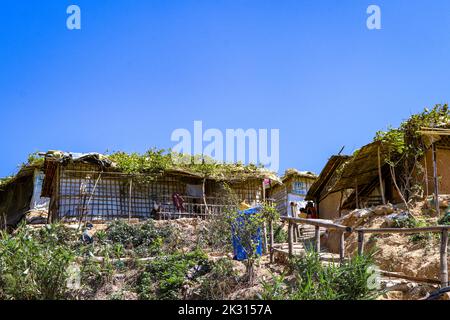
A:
[158,161]
[5,181]
[34,160]
[405,141]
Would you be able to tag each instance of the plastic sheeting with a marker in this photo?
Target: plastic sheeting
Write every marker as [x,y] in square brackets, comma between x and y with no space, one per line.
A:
[239,251]
[39,203]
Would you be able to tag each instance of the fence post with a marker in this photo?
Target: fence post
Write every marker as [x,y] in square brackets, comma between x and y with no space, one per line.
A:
[444,255]
[436,179]
[294,232]
[129,199]
[360,242]
[265,238]
[317,236]
[290,239]
[271,240]
[342,247]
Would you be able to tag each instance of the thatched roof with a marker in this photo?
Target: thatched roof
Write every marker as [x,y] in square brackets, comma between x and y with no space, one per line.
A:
[362,168]
[326,176]
[25,171]
[221,172]
[291,172]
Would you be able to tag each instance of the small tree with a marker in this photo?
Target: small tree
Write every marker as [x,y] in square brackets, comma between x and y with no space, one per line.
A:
[247,229]
[404,146]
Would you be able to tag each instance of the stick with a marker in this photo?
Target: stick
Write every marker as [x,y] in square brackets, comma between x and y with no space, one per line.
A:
[380,176]
[328,224]
[342,247]
[360,243]
[444,255]
[271,240]
[317,236]
[436,182]
[411,278]
[129,201]
[290,239]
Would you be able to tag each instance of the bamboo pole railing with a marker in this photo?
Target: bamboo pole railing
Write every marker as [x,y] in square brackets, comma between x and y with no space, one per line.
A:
[329,225]
[318,223]
[443,230]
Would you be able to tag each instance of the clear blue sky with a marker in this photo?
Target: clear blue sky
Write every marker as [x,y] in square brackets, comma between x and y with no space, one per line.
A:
[140,69]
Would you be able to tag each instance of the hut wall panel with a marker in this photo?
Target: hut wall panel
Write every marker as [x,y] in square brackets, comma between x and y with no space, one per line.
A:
[84,190]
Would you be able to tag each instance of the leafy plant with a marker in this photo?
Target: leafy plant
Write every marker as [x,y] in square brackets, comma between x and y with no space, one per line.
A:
[246,228]
[280,235]
[33,268]
[145,238]
[275,289]
[445,220]
[220,281]
[403,146]
[313,280]
[411,222]
[164,276]
[156,161]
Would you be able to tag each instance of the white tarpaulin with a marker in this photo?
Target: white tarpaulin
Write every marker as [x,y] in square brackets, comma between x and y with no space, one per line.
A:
[38,202]
[300,200]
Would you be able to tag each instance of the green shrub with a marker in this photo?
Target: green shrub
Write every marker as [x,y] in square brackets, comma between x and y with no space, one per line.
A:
[313,280]
[408,222]
[57,234]
[279,234]
[220,281]
[164,276]
[347,281]
[33,267]
[275,289]
[411,222]
[445,220]
[217,234]
[144,238]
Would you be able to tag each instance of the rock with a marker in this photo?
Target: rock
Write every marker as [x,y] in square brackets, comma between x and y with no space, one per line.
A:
[391,219]
[383,210]
[402,287]
[445,296]
[359,216]
[37,220]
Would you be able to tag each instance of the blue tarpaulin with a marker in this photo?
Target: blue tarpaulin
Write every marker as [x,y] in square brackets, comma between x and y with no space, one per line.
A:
[239,251]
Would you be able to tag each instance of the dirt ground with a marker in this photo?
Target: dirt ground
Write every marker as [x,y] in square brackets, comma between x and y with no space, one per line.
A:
[396,252]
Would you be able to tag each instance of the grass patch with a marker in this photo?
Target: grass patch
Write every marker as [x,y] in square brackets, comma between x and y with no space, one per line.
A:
[164,277]
[353,280]
[34,265]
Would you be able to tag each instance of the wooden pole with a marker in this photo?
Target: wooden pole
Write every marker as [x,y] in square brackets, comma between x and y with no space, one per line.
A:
[295,226]
[436,182]
[427,189]
[271,240]
[204,196]
[360,242]
[317,236]
[340,203]
[380,176]
[328,224]
[129,200]
[290,239]
[265,250]
[444,256]
[342,247]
